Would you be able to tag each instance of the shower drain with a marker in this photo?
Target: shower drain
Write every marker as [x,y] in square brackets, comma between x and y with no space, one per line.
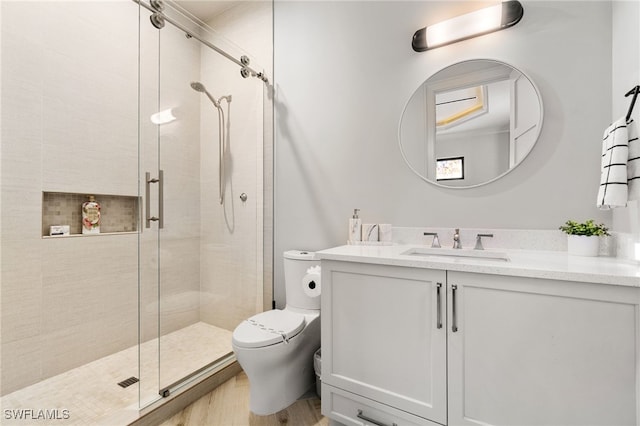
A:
[128,382]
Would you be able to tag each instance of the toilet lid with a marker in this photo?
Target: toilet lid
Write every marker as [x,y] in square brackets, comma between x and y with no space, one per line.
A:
[268,328]
[300,255]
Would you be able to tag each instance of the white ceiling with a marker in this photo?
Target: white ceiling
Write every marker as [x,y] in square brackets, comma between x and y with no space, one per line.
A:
[205,9]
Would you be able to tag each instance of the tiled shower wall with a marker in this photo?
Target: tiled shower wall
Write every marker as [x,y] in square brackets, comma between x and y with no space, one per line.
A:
[236,235]
[70,125]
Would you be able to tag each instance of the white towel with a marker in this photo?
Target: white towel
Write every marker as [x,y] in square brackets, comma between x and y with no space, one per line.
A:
[613,191]
[633,163]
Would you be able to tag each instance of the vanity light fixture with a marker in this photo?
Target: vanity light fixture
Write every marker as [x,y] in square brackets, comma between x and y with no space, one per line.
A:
[163,117]
[473,24]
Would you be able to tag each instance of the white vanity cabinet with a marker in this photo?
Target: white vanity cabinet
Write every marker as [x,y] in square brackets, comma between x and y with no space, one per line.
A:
[542,352]
[384,343]
[418,346]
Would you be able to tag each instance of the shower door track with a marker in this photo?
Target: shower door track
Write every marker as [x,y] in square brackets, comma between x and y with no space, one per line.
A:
[211,367]
[243,62]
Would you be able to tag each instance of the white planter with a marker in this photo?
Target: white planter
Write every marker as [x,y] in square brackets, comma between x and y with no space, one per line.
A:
[582,245]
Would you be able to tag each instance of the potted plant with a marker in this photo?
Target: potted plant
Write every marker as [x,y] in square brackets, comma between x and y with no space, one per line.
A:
[583,238]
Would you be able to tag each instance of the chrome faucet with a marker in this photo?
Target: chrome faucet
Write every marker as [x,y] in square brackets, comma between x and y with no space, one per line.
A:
[436,242]
[456,239]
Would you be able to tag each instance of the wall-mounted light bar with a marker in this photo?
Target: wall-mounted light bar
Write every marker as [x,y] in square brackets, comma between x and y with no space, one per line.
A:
[479,22]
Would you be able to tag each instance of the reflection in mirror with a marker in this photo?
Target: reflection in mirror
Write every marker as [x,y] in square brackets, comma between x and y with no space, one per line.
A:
[484,114]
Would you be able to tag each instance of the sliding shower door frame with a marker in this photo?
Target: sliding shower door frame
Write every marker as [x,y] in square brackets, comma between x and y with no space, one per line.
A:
[168,243]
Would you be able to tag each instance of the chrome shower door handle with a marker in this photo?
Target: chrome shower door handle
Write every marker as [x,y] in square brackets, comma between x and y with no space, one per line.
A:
[147,201]
[161,199]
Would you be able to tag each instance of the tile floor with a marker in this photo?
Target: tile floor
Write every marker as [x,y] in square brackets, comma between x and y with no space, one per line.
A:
[90,394]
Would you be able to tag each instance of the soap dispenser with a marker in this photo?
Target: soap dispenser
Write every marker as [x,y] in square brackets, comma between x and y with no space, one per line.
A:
[355,227]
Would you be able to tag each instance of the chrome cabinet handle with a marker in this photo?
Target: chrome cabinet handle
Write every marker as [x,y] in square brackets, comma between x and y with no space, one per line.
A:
[454,319]
[147,201]
[439,305]
[370,420]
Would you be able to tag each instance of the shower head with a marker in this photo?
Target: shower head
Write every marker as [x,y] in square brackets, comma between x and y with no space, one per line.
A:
[199,87]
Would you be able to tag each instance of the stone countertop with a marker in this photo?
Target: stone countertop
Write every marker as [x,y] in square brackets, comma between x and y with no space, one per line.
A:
[554,265]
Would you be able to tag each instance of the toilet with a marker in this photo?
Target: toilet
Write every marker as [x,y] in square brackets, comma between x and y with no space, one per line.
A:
[275,348]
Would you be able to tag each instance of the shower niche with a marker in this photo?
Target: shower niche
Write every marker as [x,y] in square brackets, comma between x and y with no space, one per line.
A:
[119,213]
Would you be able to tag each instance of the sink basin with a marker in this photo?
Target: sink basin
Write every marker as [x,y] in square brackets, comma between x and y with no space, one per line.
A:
[457,253]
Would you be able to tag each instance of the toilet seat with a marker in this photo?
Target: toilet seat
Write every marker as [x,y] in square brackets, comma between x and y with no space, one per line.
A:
[268,328]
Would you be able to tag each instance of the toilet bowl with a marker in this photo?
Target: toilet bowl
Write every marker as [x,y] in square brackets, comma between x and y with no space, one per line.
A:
[275,348]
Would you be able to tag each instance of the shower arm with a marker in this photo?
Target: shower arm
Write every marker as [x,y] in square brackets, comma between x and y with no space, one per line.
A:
[243,62]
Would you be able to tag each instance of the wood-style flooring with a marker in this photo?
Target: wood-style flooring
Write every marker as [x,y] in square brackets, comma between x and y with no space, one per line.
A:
[228,405]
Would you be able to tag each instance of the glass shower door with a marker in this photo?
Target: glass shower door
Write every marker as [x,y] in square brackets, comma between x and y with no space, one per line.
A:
[182,335]
[149,262]
[201,266]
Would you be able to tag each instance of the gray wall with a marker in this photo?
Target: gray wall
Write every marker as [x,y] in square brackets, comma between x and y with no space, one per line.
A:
[343,73]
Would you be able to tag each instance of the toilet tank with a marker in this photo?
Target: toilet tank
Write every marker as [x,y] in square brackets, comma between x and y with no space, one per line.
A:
[296,264]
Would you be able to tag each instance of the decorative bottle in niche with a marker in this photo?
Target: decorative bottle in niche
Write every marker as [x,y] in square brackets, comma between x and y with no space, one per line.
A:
[91,216]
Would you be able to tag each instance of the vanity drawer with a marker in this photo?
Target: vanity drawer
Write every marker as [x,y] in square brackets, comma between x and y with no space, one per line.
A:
[354,410]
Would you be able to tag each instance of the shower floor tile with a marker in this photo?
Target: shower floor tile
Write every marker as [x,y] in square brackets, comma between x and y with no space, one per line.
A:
[90,395]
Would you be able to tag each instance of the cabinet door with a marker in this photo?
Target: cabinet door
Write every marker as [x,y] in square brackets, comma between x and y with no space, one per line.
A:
[382,337]
[541,352]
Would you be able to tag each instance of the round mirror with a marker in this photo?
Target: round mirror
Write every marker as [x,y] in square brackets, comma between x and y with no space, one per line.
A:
[470,123]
